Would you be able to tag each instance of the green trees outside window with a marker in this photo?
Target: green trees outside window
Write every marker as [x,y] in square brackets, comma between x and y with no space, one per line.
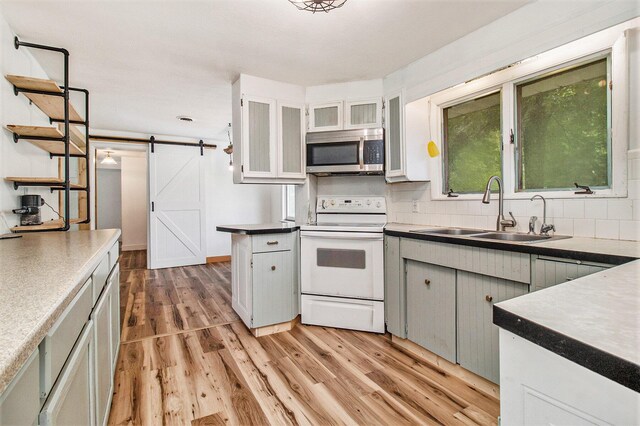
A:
[562,122]
[472,134]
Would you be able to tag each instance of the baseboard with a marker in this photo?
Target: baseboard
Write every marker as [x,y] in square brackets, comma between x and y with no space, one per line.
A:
[479,383]
[216,259]
[275,328]
[132,247]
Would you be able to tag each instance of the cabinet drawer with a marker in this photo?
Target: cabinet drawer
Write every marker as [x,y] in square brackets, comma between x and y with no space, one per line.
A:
[495,263]
[71,398]
[272,242]
[114,253]
[365,315]
[20,402]
[548,271]
[57,344]
[100,278]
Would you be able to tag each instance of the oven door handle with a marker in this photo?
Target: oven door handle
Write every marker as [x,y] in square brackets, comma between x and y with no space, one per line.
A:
[342,235]
[361,152]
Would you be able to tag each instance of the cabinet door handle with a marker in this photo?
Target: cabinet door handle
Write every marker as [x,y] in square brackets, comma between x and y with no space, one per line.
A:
[427,282]
[272,243]
[488,298]
[273,268]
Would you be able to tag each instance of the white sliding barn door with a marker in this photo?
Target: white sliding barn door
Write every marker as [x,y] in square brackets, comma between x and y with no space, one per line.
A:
[177,234]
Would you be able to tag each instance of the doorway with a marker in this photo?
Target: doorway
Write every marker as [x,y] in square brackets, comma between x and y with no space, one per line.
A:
[122,191]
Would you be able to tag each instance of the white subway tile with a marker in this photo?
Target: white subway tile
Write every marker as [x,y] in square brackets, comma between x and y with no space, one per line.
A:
[584,228]
[636,209]
[574,209]
[607,229]
[563,226]
[555,208]
[634,169]
[619,209]
[595,209]
[630,230]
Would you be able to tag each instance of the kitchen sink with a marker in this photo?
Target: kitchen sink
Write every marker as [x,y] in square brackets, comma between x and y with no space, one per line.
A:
[450,231]
[507,236]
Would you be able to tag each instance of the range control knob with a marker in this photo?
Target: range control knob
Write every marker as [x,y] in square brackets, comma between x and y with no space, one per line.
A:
[378,204]
[323,205]
[333,202]
[368,202]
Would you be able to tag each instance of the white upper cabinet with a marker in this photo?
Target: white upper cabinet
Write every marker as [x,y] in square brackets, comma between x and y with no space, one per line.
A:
[291,134]
[343,115]
[259,142]
[268,131]
[325,117]
[407,134]
[363,114]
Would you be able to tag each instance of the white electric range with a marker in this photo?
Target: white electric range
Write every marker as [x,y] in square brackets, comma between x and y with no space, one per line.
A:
[342,264]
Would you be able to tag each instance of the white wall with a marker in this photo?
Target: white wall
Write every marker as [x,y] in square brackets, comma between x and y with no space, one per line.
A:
[229,204]
[109,194]
[526,32]
[21,159]
[134,203]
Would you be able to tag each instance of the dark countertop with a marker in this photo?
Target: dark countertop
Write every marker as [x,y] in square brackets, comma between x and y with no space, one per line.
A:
[256,229]
[613,252]
[587,321]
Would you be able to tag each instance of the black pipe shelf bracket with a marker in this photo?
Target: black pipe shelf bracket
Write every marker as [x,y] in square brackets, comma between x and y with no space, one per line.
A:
[65,185]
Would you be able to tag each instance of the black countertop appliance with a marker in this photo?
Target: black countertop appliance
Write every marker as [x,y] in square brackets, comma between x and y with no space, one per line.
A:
[30,210]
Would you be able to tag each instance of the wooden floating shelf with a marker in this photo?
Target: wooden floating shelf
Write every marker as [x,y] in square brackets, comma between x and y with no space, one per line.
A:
[54,147]
[43,181]
[52,106]
[46,226]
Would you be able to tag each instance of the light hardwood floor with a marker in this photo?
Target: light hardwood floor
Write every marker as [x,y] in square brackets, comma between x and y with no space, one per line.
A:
[187,359]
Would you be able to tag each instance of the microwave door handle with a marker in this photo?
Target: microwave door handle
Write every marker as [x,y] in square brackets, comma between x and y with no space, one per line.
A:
[361,153]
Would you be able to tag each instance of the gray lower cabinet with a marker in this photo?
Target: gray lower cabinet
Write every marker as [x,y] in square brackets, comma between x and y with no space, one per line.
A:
[272,290]
[478,349]
[20,402]
[394,288]
[70,402]
[264,280]
[114,285]
[431,307]
[550,271]
[101,318]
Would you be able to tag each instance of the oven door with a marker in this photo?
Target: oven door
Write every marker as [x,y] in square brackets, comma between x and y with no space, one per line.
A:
[342,264]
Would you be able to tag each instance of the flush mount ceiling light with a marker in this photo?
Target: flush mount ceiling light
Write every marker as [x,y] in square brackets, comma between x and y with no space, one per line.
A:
[108,159]
[185,118]
[318,5]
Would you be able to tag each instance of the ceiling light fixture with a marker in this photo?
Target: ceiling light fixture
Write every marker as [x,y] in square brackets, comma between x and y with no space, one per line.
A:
[108,159]
[318,5]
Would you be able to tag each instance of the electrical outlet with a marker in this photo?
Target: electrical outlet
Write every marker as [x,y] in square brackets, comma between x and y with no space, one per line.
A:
[414,207]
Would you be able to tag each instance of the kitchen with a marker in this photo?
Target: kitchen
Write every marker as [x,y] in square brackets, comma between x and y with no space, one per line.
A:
[446,234]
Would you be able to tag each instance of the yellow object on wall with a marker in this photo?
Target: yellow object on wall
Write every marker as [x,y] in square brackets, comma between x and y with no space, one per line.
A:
[432,149]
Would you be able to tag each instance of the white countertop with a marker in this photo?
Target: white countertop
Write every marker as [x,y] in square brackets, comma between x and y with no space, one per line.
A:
[601,310]
[579,244]
[40,274]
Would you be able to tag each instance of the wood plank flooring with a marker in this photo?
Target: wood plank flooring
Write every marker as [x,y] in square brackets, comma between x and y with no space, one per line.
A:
[187,359]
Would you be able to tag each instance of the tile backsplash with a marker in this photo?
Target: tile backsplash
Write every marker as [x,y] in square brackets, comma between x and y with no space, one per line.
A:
[611,218]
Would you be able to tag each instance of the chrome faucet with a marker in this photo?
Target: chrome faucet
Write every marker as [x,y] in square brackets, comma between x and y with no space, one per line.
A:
[545,227]
[532,224]
[501,222]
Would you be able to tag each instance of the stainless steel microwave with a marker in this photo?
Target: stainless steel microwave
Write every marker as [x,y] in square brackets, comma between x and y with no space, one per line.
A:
[359,151]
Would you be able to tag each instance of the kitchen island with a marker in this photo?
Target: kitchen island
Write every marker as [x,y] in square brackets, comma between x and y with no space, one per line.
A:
[54,287]
[265,270]
[564,348]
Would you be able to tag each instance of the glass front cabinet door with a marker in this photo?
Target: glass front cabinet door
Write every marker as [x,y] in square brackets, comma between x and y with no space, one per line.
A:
[394,122]
[291,158]
[259,137]
[325,117]
[363,114]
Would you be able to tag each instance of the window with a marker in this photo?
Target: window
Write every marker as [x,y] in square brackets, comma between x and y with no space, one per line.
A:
[563,137]
[471,138]
[542,124]
[289,202]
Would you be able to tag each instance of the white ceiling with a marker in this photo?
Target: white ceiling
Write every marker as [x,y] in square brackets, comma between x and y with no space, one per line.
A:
[146,62]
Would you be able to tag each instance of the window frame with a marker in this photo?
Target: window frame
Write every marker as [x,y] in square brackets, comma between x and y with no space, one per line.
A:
[285,203]
[613,42]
